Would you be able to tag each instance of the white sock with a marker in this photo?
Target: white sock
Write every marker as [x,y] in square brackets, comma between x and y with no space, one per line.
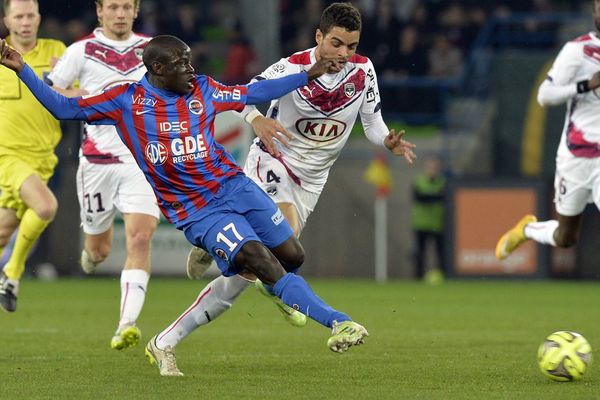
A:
[133,292]
[216,298]
[542,232]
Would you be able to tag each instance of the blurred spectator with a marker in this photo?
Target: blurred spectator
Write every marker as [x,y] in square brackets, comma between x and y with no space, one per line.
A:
[445,60]
[379,33]
[453,23]
[240,63]
[428,216]
[186,26]
[408,58]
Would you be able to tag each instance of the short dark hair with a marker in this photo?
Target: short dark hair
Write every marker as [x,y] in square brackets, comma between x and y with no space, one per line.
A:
[344,15]
[160,49]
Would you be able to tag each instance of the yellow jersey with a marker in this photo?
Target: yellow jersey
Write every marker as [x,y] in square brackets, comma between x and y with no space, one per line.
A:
[25,125]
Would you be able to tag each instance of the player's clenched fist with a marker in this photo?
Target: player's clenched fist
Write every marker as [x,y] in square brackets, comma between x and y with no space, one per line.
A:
[10,58]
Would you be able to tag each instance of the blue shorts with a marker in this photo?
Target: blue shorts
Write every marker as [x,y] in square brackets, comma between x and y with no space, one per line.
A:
[238,213]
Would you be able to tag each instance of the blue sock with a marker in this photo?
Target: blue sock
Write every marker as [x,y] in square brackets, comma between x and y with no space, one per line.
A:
[295,292]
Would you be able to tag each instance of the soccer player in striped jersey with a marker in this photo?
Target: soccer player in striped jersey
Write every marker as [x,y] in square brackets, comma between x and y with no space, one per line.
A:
[108,180]
[167,120]
[28,136]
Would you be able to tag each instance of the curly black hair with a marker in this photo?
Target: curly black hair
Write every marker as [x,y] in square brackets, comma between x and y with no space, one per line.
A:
[344,15]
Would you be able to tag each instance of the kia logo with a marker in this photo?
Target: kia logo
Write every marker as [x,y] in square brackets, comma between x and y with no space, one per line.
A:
[320,129]
[156,153]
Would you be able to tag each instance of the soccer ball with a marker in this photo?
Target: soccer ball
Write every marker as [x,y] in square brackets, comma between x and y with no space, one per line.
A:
[564,356]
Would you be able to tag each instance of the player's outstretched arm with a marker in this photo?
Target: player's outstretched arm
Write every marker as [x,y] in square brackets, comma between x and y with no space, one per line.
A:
[59,106]
[400,147]
[269,89]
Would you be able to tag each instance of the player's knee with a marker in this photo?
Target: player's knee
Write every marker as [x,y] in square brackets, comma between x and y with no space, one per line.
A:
[256,258]
[291,255]
[139,241]
[47,212]
[565,239]
[5,235]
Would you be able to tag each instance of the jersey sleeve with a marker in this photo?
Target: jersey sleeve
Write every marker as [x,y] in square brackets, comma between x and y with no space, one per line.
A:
[561,85]
[371,101]
[99,109]
[566,65]
[280,69]
[68,68]
[225,98]
[104,108]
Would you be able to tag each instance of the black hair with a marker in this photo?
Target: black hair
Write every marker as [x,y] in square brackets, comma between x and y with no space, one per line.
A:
[161,49]
[344,15]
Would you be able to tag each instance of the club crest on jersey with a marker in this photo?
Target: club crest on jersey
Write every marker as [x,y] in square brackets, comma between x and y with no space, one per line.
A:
[156,153]
[195,107]
[221,253]
[138,53]
[349,89]
[320,129]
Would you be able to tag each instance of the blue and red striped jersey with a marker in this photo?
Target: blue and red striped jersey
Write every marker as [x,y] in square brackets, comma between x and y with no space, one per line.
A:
[171,136]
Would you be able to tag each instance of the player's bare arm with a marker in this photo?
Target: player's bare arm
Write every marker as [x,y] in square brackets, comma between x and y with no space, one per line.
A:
[269,130]
[321,67]
[400,147]
[10,58]
[594,82]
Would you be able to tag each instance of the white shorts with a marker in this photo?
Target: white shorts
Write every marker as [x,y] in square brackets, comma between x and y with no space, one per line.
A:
[104,189]
[279,183]
[576,183]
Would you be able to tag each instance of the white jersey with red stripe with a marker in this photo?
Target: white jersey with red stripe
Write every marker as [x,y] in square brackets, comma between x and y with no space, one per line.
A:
[99,63]
[320,115]
[578,60]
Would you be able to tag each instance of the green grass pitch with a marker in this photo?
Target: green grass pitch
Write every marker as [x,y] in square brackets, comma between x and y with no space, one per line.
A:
[461,340]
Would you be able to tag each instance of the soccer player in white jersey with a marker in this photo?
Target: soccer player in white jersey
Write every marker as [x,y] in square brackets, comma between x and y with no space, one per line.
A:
[108,178]
[310,126]
[573,79]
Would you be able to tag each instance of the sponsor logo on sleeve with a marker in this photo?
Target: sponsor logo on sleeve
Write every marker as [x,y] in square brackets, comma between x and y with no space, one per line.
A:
[277,218]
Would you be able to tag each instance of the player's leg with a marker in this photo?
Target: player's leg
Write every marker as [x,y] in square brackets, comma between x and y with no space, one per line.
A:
[216,298]
[96,187]
[420,239]
[139,229]
[295,203]
[293,290]
[136,200]
[9,288]
[570,200]
[275,233]
[40,207]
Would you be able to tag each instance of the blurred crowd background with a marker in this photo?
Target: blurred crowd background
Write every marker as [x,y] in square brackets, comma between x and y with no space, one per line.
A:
[402,37]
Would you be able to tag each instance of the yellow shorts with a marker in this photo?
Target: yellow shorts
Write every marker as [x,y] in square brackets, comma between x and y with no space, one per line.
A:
[14,170]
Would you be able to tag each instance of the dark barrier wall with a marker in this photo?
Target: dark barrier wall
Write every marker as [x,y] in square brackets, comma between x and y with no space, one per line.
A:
[514,77]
